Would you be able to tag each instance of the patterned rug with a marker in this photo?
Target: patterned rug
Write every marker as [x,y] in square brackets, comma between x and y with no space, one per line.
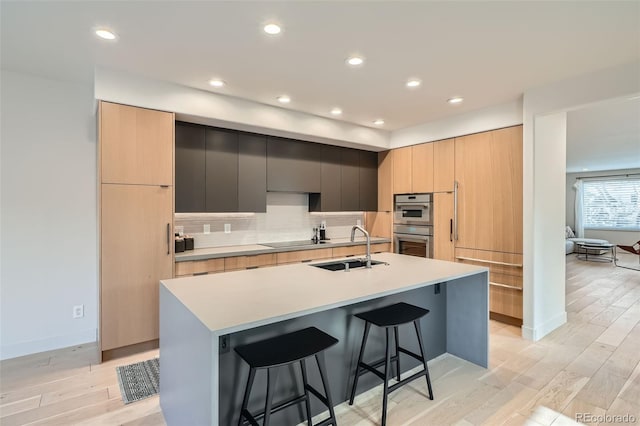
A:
[139,381]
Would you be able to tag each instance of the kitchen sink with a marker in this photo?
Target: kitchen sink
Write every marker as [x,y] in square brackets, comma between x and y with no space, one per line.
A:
[340,265]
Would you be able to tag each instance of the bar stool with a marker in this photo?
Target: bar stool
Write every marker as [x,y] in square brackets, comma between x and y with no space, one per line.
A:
[391,317]
[283,350]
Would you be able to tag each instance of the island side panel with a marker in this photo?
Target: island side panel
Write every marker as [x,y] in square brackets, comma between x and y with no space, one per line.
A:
[468,318]
[340,359]
[187,365]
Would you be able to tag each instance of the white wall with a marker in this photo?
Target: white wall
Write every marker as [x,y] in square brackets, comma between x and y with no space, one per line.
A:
[49,221]
[615,237]
[490,118]
[203,107]
[541,268]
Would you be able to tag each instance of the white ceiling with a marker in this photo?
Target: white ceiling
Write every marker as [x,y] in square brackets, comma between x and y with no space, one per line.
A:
[488,52]
[604,136]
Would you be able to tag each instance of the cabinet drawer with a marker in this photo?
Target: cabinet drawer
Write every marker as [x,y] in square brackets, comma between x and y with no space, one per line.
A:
[349,251]
[303,256]
[380,248]
[505,301]
[199,267]
[249,262]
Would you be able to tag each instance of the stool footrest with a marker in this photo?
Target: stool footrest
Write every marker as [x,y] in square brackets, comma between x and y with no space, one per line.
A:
[407,380]
[277,407]
[411,354]
[318,395]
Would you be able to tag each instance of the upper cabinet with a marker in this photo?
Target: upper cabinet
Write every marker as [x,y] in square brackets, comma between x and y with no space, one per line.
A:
[488,167]
[413,169]
[136,145]
[190,167]
[349,181]
[219,170]
[443,165]
[293,166]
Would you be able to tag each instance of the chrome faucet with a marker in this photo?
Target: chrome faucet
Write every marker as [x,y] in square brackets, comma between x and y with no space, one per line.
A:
[366,234]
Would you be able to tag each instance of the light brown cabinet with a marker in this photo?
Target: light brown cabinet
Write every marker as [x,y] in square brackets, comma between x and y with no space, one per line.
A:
[413,169]
[488,168]
[443,245]
[249,262]
[136,221]
[199,267]
[303,255]
[443,165]
[136,145]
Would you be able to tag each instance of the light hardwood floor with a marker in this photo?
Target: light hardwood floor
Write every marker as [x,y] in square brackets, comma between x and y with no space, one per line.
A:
[589,365]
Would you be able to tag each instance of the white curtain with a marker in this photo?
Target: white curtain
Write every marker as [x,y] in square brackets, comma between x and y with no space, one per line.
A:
[579,217]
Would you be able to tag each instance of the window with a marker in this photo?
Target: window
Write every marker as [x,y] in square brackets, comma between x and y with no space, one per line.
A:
[612,204]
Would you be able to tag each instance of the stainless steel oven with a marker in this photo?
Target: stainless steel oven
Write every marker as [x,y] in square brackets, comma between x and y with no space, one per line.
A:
[413,209]
[413,240]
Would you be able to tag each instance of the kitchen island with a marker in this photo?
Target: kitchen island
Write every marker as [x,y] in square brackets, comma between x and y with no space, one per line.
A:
[202,318]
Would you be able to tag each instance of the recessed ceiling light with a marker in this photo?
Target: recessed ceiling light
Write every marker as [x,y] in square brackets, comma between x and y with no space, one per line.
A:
[105,34]
[284,99]
[455,100]
[413,82]
[355,60]
[216,82]
[272,29]
[336,111]
[379,122]
[585,169]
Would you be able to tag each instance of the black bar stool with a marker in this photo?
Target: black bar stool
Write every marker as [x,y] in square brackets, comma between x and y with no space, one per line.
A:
[391,317]
[280,351]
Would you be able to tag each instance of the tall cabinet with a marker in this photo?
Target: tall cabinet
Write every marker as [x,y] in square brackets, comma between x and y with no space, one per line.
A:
[136,157]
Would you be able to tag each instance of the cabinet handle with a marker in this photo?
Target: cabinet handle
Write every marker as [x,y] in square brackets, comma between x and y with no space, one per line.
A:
[492,262]
[195,274]
[168,238]
[455,210]
[251,267]
[450,229]
[306,261]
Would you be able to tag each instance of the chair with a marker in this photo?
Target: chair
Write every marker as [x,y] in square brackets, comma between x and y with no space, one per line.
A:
[633,249]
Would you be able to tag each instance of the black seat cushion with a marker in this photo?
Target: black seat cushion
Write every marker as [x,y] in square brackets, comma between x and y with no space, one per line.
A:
[392,315]
[286,348]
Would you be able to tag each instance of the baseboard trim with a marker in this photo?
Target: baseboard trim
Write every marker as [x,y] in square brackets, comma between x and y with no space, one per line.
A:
[49,344]
[130,350]
[537,333]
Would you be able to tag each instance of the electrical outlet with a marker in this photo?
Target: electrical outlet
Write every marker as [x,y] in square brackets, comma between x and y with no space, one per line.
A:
[225,343]
[436,289]
[206,229]
[358,222]
[78,311]
[323,224]
[227,228]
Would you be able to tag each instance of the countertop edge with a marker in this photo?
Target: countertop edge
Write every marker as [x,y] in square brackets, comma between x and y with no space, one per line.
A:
[185,257]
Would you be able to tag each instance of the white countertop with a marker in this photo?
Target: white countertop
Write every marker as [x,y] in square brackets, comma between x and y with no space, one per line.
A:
[253,249]
[233,301]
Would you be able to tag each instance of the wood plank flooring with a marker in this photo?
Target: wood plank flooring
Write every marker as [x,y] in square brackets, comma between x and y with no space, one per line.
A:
[589,365]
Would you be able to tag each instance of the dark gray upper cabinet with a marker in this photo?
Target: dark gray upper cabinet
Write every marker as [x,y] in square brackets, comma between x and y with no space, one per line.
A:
[368,181]
[293,166]
[252,173]
[350,171]
[221,170]
[190,168]
[331,181]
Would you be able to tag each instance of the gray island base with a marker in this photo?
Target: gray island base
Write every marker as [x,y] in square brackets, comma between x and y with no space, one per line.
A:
[203,318]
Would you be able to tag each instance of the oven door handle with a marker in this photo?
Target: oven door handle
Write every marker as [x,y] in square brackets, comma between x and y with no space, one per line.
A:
[413,204]
[413,238]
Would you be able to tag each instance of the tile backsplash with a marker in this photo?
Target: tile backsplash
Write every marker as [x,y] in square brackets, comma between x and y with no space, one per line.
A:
[287,219]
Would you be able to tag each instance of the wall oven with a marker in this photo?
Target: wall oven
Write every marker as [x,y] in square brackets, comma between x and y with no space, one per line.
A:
[413,225]
[413,209]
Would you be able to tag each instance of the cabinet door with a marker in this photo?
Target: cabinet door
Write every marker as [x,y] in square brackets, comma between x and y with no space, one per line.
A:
[443,165]
[488,167]
[443,246]
[368,181]
[350,176]
[221,171]
[293,166]
[422,168]
[136,253]
[190,168]
[402,170]
[385,181]
[136,145]
[331,179]
[252,173]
